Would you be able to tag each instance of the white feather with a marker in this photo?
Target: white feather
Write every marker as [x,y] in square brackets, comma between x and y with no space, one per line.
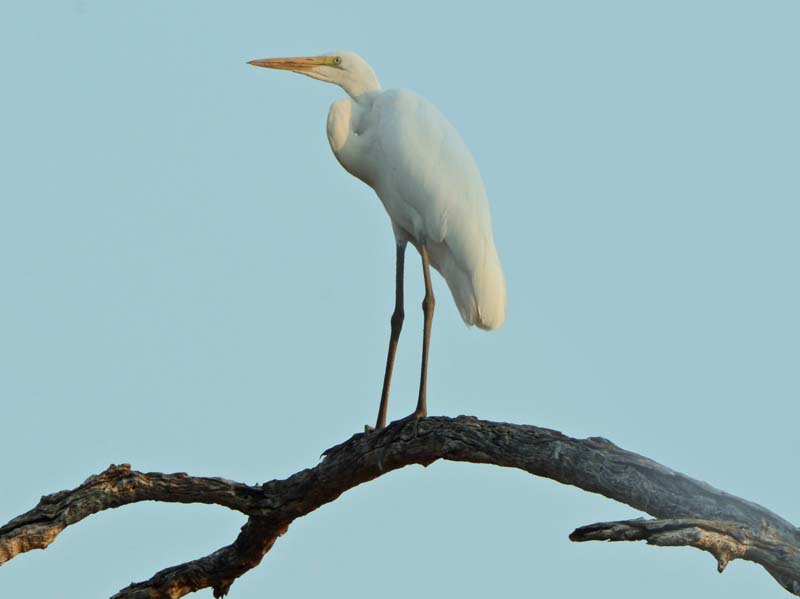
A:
[400,145]
[405,149]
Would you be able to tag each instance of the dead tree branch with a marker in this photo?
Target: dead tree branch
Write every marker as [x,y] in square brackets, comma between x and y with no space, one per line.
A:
[726,541]
[689,512]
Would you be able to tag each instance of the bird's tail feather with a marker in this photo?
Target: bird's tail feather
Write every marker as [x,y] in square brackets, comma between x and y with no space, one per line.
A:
[480,295]
[489,290]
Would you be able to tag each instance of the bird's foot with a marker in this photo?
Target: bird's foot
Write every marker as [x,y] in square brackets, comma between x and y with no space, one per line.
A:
[333,450]
[416,416]
[373,429]
[397,435]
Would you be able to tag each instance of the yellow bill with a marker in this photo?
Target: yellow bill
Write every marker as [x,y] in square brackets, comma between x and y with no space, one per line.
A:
[298,64]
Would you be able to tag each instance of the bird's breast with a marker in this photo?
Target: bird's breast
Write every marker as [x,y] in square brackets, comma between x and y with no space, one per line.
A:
[339,117]
[349,145]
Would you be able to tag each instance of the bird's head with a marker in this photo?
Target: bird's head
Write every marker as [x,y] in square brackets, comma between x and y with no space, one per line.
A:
[346,69]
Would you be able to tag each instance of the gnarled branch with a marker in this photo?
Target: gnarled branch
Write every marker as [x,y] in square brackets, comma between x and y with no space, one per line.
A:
[690,512]
[726,541]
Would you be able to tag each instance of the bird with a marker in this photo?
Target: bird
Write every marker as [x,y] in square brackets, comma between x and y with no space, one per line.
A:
[401,146]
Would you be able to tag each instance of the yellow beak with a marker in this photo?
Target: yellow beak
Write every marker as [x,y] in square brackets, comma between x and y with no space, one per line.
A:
[300,64]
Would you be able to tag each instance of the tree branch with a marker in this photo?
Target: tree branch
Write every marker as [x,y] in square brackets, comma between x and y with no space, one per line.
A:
[726,541]
[116,486]
[690,512]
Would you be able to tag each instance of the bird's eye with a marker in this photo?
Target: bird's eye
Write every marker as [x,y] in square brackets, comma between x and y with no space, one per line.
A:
[337,60]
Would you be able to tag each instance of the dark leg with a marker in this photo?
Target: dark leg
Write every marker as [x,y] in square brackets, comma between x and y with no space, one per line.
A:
[428,305]
[397,326]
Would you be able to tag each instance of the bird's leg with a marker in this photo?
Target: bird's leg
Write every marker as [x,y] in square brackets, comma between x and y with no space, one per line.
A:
[428,305]
[397,326]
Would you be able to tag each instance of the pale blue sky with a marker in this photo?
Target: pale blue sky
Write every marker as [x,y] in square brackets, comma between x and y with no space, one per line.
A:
[190,282]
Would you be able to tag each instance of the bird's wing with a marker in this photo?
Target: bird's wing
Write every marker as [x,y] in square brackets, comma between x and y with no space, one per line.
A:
[425,168]
[432,190]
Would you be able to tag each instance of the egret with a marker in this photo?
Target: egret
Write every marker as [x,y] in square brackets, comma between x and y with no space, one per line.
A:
[399,144]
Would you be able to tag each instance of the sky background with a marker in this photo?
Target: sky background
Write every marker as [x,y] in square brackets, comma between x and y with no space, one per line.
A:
[190,282]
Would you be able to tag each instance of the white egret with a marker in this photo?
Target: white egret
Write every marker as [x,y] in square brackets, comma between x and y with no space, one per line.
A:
[400,145]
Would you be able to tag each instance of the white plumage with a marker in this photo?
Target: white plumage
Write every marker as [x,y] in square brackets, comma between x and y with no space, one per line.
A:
[414,159]
[399,144]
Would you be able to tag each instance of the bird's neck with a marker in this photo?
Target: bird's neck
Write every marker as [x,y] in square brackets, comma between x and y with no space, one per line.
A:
[365,100]
[363,87]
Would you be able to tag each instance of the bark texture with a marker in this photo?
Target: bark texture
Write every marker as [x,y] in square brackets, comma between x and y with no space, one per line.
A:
[688,512]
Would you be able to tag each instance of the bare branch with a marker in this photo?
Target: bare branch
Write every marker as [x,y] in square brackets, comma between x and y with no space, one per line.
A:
[217,571]
[726,541]
[725,525]
[116,486]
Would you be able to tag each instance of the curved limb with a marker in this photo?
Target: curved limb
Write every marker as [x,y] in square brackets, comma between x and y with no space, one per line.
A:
[397,326]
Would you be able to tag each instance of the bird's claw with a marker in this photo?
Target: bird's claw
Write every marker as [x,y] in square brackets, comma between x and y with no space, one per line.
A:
[398,435]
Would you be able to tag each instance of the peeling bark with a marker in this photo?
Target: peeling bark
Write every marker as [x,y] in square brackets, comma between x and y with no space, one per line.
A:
[726,541]
[689,512]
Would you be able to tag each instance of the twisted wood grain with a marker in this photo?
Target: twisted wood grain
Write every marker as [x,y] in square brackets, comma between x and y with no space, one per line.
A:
[688,512]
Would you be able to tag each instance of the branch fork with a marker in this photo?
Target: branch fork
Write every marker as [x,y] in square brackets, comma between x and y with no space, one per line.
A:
[687,512]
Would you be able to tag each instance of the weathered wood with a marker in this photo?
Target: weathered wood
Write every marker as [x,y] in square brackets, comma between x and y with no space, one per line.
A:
[726,541]
[690,512]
